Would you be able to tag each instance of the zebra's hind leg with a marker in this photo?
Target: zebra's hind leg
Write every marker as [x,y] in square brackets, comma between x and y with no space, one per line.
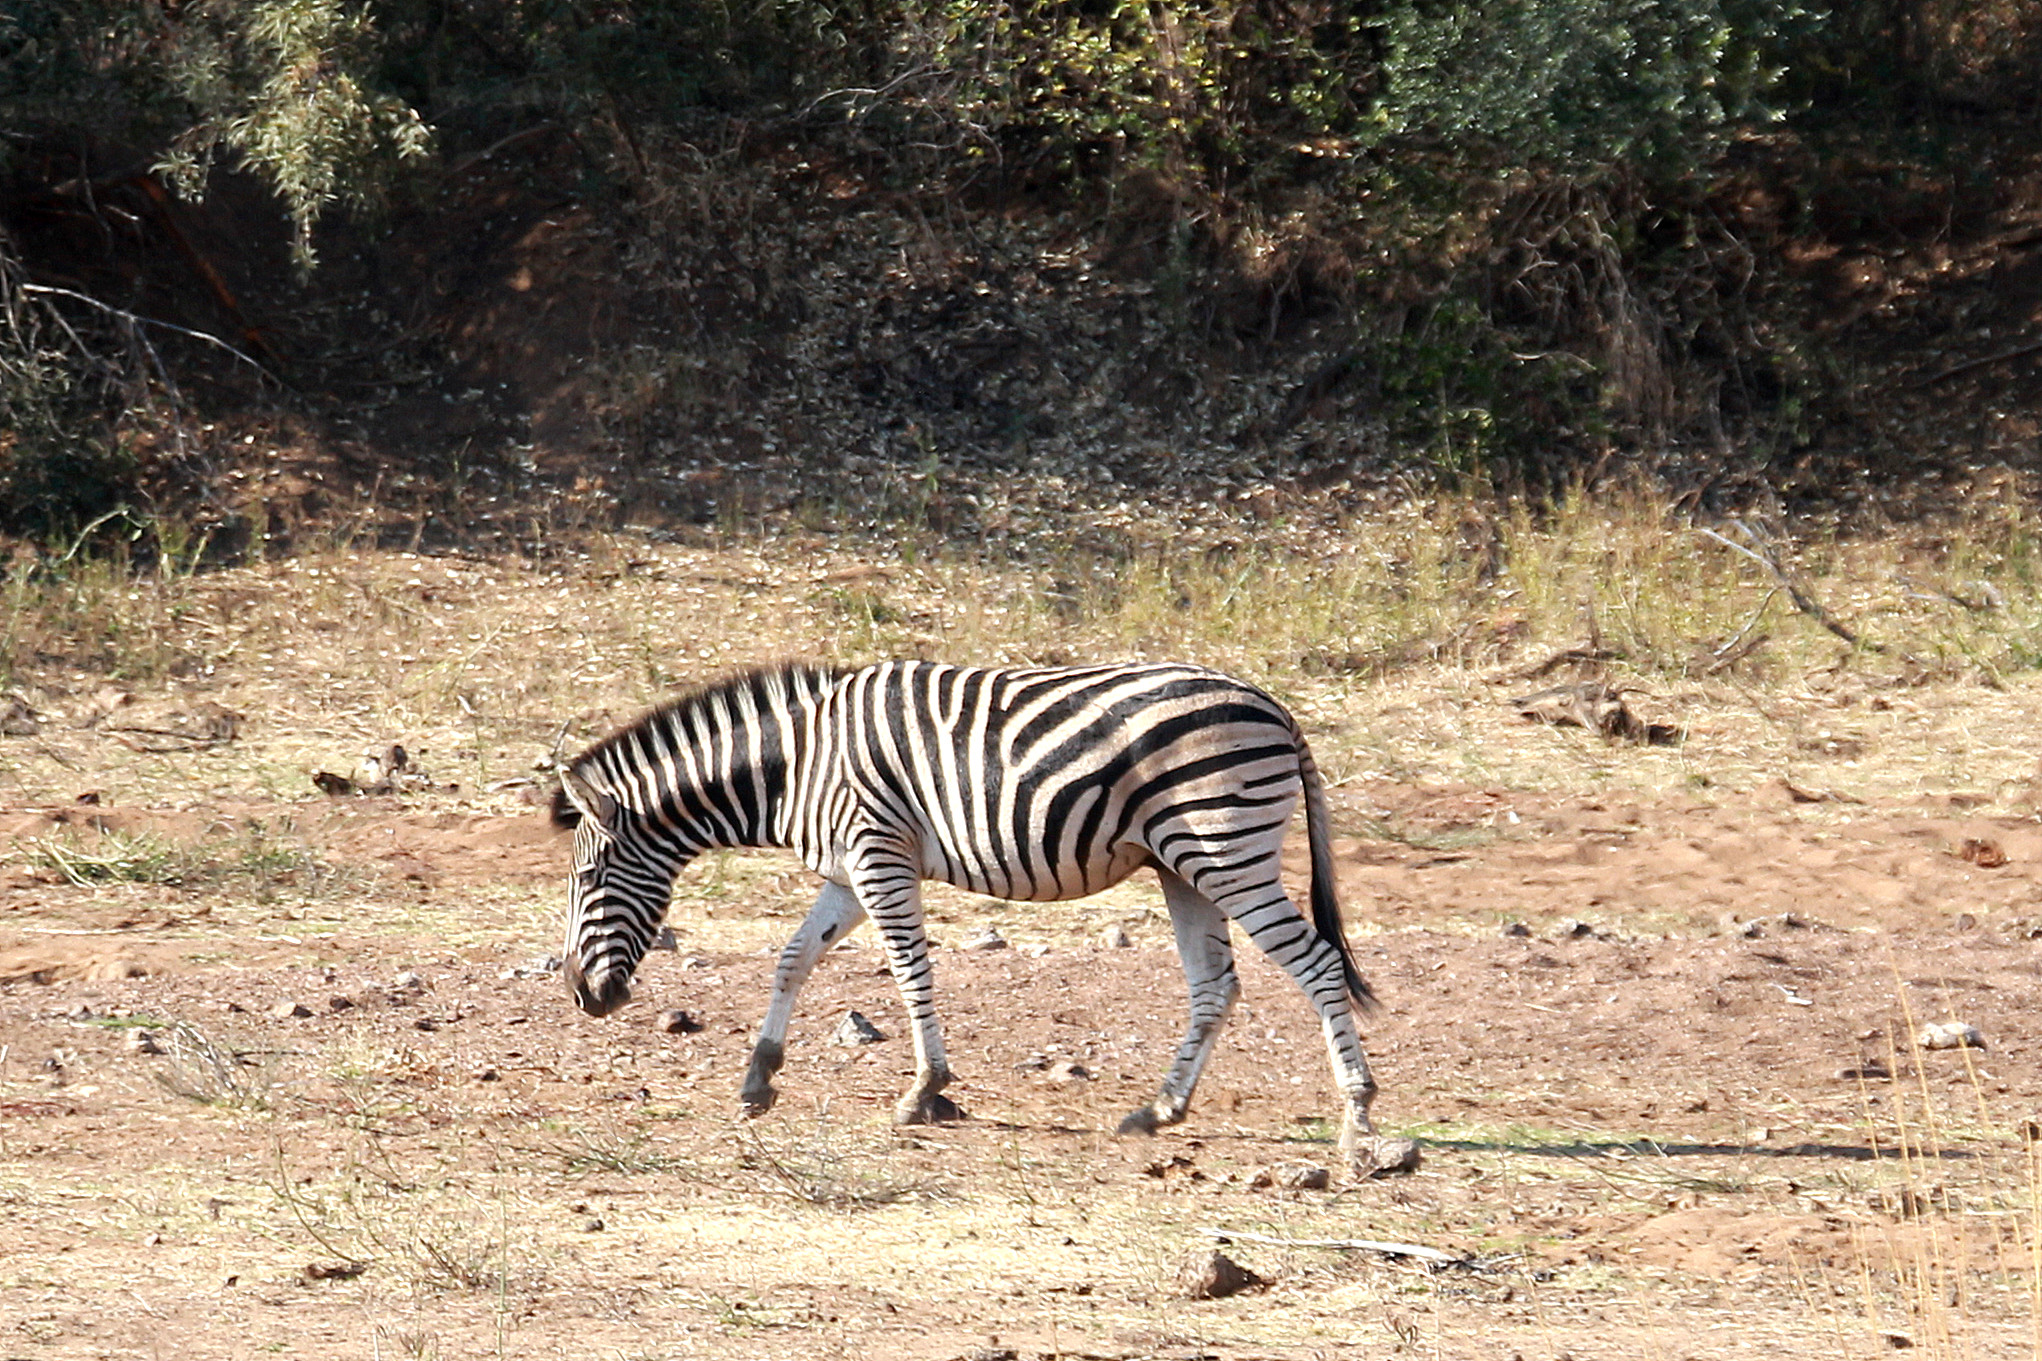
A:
[892,895]
[835,913]
[1207,953]
[1257,901]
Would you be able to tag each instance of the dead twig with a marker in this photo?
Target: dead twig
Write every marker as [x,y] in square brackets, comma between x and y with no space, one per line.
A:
[1762,553]
[1415,1251]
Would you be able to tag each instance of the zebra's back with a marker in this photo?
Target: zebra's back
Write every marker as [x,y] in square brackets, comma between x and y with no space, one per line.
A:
[1051,783]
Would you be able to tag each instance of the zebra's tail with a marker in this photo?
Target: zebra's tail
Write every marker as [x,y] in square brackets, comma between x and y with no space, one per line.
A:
[1325,897]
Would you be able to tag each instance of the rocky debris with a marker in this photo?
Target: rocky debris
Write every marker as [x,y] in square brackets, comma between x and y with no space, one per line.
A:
[1394,1157]
[17,719]
[381,770]
[334,1271]
[1212,1275]
[1115,937]
[288,1010]
[855,1030]
[540,967]
[1871,1070]
[408,982]
[1950,1035]
[988,939]
[1067,1071]
[1572,928]
[663,940]
[338,1004]
[677,1022]
[1516,929]
[1291,1176]
[1599,707]
[1982,852]
[202,726]
[143,1042]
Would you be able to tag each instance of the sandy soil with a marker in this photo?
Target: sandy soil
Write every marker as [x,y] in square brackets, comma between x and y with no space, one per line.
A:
[1658,1052]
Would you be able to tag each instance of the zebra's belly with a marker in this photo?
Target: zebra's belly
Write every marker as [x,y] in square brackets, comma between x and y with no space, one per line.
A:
[1039,883]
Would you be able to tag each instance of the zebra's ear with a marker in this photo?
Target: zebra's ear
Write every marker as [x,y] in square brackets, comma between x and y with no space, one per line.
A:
[578,799]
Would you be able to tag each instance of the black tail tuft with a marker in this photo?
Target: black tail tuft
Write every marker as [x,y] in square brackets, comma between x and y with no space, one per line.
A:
[1326,918]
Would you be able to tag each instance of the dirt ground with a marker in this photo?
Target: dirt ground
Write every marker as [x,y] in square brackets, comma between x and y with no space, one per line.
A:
[1657,1050]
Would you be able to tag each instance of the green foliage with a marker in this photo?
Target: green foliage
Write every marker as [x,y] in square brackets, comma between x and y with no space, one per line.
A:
[291,88]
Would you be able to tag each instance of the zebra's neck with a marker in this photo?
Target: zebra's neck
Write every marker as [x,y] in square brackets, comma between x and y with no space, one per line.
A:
[713,768]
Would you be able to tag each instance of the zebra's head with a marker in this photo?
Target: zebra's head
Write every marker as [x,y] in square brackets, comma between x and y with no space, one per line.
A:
[617,895]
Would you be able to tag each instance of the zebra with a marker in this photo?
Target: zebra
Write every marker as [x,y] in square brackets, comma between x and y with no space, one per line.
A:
[1035,784]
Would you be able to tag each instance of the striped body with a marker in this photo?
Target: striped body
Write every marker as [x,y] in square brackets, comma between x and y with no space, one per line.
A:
[1029,784]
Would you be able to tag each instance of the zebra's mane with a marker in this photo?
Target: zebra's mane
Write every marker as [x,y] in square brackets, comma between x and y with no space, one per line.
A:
[760,683]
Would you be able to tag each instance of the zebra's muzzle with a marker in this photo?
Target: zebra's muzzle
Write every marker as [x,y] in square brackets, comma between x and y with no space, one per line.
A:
[610,990]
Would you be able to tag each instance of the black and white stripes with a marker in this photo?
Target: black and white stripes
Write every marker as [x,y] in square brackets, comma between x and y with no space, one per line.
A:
[1029,784]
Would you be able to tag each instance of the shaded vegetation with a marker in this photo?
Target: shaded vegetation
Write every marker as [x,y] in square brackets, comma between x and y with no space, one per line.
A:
[1509,245]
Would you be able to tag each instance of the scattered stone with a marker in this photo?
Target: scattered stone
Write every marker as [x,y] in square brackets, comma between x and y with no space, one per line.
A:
[855,1030]
[665,940]
[1214,1276]
[988,939]
[1598,707]
[1752,930]
[1982,852]
[1950,1035]
[592,1226]
[334,1271]
[17,719]
[534,968]
[677,1022]
[1966,922]
[143,1042]
[1573,928]
[1034,949]
[407,982]
[1395,1157]
[488,1075]
[1115,937]
[1291,1176]
[1516,929]
[287,1010]
[1068,1071]
[340,1004]
[1871,1070]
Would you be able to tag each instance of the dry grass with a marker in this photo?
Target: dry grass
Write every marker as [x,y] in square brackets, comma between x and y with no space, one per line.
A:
[1398,638]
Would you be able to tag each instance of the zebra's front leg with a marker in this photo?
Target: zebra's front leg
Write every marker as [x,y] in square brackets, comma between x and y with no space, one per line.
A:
[835,913]
[891,892]
[1206,951]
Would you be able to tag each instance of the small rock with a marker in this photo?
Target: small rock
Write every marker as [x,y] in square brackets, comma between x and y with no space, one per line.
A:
[1573,928]
[855,1030]
[407,982]
[1752,930]
[1115,937]
[988,939]
[340,1004]
[288,1010]
[334,1271]
[1291,1176]
[143,1042]
[1871,1070]
[665,940]
[1395,1157]
[677,1022]
[1034,949]
[1068,1071]
[592,1226]
[487,1075]
[540,967]
[1950,1035]
[1214,1276]
[1518,929]
[1966,922]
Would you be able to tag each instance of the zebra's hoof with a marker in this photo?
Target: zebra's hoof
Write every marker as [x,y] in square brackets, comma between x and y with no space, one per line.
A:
[754,1104]
[933,1109]
[1140,1120]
